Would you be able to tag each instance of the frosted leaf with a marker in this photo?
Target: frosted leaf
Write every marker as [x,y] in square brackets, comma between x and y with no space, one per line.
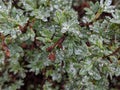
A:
[18,32]
[108,2]
[96,76]
[109,9]
[78,51]
[13,34]
[90,72]
[117,71]
[2,57]
[56,6]
[101,2]
[85,79]
[116,17]
[72,69]
[65,27]
[56,76]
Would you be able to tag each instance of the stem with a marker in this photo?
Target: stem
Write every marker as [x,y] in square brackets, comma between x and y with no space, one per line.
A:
[59,42]
[97,15]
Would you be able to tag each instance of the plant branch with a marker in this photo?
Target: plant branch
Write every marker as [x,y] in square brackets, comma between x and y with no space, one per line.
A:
[4,46]
[59,42]
[29,23]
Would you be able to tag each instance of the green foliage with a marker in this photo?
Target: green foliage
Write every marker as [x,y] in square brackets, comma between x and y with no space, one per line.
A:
[42,40]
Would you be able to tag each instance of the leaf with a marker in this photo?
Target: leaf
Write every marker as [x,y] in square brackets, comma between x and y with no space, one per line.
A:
[2,57]
[108,2]
[6,49]
[52,56]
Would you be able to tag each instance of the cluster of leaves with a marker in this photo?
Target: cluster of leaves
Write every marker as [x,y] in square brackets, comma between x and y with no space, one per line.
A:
[43,46]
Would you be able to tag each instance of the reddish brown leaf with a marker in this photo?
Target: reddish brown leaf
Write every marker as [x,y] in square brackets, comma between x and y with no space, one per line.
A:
[52,56]
[6,49]
[7,53]
[24,45]
[49,49]
[21,28]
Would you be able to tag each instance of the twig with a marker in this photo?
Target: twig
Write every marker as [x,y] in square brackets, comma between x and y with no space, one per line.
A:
[24,28]
[53,35]
[59,42]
